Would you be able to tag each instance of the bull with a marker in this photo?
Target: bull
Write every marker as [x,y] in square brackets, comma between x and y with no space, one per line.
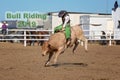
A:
[57,43]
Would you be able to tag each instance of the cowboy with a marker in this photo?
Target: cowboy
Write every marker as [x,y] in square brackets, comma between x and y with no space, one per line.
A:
[65,26]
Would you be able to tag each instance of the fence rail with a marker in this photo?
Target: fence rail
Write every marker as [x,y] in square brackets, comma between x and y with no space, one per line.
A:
[24,36]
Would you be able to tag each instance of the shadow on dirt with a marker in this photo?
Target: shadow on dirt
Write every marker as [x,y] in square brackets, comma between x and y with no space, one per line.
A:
[70,64]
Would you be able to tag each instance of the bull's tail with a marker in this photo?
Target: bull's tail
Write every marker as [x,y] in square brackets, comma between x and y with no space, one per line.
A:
[78,24]
[81,24]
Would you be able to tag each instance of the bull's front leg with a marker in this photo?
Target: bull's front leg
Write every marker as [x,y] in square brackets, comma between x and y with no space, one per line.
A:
[61,50]
[49,58]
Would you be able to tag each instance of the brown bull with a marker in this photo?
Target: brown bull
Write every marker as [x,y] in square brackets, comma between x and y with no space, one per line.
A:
[57,43]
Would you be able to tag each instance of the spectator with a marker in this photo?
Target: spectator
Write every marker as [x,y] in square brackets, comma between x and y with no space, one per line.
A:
[103,42]
[4,28]
[118,24]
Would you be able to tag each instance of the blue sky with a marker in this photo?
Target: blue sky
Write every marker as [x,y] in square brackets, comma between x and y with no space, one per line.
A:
[44,6]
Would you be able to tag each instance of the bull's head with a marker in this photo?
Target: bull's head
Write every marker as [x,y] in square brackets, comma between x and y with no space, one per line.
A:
[45,48]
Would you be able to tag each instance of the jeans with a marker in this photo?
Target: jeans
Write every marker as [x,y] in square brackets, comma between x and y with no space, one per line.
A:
[4,31]
[67,30]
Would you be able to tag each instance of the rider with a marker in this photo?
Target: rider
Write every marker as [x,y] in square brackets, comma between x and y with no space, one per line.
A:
[65,24]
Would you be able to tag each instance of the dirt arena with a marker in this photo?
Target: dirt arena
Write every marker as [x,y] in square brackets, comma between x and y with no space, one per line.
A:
[26,63]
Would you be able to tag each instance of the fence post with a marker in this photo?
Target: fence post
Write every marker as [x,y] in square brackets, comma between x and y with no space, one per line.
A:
[110,42]
[25,38]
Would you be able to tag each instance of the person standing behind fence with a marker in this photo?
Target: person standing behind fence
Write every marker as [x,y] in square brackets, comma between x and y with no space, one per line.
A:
[103,42]
[4,28]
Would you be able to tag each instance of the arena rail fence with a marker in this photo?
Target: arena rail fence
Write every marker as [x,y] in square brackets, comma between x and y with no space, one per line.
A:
[96,35]
[91,36]
[24,35]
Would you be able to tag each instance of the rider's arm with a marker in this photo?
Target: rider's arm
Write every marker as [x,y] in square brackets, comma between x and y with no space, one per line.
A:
[67,18]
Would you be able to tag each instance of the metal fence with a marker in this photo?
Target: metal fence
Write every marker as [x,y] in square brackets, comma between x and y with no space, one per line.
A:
[23,36]
[96,37]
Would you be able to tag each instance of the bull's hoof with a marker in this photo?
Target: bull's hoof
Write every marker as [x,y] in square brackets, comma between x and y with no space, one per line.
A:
[73,51]
[86,51]
[46,65]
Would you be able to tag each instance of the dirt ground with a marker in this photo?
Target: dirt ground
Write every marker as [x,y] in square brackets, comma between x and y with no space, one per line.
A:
[26,63]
